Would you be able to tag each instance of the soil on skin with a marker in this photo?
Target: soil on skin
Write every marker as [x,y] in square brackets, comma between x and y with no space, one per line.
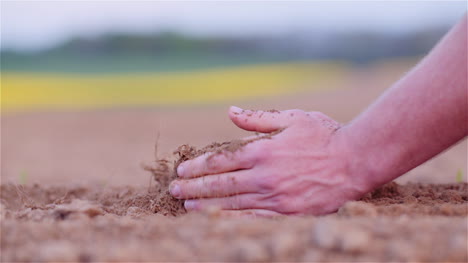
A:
[95,223]
[63,223]
[186,152]
[92,202]
[164,171]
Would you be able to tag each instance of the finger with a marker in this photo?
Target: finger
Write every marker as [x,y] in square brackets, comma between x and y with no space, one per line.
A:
[260,121]
[235,202]
[249,213]
[219,185]
[214,163]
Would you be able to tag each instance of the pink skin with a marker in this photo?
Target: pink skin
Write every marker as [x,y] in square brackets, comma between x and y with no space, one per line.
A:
[268,177]
[314,165]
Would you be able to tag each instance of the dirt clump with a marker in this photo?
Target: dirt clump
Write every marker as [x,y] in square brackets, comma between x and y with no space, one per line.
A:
[187,152]
[426,194]
[164,171]
[64,223]
[412,199]
[391,199]
[62,201]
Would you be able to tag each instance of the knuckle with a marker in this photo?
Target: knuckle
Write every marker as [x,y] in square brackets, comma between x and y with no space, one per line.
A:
[297,112]
[214,184]
[235,203]
[275,202]
[251,201]
[279,203]
[259,154]
[297,115]
[267,183]
[212,163]
[245,163]
[250,156]
[318,115]
[325,121]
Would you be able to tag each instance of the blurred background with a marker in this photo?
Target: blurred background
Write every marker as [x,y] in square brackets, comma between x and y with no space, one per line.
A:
[86,86]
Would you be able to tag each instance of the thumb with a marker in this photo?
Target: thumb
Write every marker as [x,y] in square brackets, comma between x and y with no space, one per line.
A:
[259,121]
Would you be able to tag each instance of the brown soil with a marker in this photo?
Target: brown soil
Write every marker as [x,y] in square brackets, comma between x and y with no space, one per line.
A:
[186,152]
[395,199]
[164,172]
[64,223]
[85,197]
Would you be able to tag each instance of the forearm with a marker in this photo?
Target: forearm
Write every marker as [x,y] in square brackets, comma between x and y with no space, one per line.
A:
[420,116]
[313,166]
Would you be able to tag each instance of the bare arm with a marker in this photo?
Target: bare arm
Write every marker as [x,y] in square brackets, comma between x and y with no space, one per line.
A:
[314,166]
[421,115]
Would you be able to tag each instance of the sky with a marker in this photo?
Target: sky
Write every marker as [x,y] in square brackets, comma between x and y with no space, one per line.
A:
[35,25]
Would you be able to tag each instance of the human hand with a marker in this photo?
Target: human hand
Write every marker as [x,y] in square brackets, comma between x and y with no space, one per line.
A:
[304,169]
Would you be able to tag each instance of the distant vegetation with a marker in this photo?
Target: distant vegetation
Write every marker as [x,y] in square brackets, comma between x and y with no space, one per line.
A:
[29,91]
[175,52]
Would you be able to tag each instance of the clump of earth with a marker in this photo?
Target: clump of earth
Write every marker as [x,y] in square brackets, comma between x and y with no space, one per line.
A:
[411,222]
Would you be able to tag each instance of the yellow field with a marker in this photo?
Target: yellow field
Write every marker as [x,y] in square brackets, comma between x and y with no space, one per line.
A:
[29,91]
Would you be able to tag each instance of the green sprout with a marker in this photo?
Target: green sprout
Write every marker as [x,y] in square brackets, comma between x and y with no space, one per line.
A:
[459,177]
[23,177]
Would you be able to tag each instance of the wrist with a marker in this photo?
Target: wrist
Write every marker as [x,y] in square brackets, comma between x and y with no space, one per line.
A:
[365,164]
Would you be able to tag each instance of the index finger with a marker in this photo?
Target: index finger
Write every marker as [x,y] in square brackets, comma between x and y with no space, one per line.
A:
[231,159]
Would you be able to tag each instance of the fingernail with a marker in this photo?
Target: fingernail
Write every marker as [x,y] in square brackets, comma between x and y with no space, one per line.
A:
[180,170]
[175,190]
[236,110]
[190,204]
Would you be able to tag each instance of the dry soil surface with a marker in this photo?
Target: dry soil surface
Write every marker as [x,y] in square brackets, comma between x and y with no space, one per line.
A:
[413,222]
[73,189]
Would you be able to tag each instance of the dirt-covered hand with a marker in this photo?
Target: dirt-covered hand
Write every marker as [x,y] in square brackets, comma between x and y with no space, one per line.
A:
[304,169]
